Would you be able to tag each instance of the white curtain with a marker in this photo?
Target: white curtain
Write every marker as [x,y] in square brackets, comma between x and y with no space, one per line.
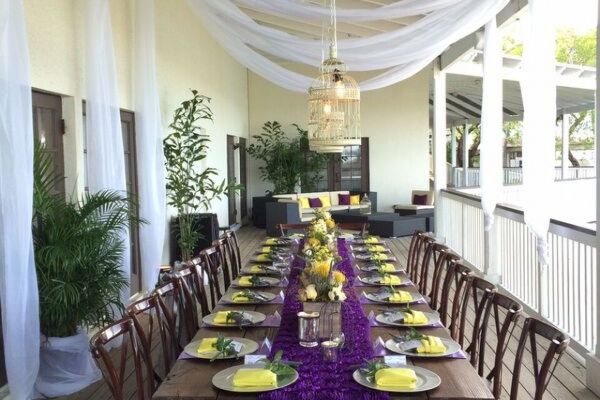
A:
[399,53]
[105,158]
[151,178]
[491,146]
[18,282]
[538,89]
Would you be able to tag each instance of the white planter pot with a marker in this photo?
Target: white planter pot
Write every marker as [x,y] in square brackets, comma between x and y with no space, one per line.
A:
[66,365]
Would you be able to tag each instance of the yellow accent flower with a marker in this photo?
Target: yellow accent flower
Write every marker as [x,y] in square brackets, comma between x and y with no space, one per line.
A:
[314,242]
[330,224]
[339,277]
[321,268]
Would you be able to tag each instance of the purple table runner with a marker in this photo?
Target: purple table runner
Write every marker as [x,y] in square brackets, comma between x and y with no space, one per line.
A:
[318,379]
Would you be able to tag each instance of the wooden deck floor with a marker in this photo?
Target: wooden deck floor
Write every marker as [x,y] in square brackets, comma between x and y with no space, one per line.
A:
[567,384]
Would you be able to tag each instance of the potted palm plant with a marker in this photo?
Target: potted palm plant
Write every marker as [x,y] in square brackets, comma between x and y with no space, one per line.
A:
[78,252]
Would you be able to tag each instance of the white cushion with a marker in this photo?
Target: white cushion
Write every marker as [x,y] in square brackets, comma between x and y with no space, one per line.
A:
[411,207]
[338,208]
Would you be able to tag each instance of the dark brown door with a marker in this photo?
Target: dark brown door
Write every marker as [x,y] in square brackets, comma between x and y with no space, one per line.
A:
[48,128]
[243,180]
[347,171]
[231,178]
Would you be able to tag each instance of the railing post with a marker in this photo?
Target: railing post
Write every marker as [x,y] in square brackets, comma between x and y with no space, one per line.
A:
[565,146]
[465,144]
[490,254]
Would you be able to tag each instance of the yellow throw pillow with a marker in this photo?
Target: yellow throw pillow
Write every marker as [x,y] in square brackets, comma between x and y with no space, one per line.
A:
[325,201]
[355,200]
[304,202]
[253,377]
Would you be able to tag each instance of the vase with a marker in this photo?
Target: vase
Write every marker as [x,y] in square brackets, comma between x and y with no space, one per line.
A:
[330,317]
[66,365]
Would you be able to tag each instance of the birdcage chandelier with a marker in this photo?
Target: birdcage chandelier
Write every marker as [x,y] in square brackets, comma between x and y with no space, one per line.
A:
[333,102]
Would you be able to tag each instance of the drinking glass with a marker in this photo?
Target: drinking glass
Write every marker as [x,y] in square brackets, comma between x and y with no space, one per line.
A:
[308,329]
[330,351]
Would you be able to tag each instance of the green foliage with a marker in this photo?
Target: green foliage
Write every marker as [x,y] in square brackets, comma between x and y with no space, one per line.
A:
[573,48]
[78,253]
[288,161]
[281,368]
[190,187]
[224,348]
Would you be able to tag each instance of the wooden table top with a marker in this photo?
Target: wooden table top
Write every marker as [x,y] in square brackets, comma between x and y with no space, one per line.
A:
[192,378]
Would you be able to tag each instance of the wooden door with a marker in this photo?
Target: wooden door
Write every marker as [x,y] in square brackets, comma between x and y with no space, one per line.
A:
[243,180]
[231,178]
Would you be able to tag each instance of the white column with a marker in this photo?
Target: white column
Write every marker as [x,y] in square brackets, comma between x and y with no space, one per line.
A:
[593,359]
[439,142]
[452,155]
[565,146]
[465,143]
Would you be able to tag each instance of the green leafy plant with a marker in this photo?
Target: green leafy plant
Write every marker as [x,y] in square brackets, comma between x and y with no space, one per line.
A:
[78,252]
[281,368]
[224,348]
[288,161]
[191,187]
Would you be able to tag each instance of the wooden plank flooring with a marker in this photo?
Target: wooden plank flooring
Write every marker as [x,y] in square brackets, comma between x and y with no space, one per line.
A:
[568,382]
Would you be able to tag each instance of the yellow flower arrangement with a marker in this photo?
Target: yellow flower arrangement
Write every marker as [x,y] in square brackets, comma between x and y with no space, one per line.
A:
[321,268]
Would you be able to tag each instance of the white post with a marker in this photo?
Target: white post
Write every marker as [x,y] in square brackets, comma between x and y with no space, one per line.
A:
[439,143]
[565,146]
[593,359]
[465,143]
[452,155]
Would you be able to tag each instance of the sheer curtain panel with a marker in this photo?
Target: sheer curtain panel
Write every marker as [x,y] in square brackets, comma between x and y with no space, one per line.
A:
[18,282]
[150,156]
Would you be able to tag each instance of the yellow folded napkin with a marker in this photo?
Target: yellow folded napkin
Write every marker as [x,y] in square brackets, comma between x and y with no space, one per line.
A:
[387,267]
[271,241]
[263,257]
[244,281]
[371,239]
[207,345]
[431,345]
[376,249]
[256,269]
[250,377]
[239,297]
[265,249]
[221,317]
[415,317]
[400,297]
[396,377]
[378,256]
[391,280]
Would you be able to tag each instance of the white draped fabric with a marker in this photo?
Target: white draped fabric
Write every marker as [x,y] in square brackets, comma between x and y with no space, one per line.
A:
[399,53]
[18,282]
[105,158]
[151,178]
[538,88]
[491,124]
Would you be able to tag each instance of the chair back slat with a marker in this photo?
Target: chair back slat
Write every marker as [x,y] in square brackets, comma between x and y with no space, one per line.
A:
[115,375]
[557,344]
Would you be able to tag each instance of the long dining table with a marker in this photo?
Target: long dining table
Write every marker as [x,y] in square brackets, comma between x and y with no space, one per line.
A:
[191,378]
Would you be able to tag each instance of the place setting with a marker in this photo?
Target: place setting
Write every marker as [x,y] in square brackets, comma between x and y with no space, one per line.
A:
[406,318]
[247,296]
[385,376]
[368,256]
[390,295]
[255,281]
[415,344]
[384,279]
[379,267]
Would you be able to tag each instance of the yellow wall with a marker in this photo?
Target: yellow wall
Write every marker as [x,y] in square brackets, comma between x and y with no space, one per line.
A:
[395,119]
[187,58]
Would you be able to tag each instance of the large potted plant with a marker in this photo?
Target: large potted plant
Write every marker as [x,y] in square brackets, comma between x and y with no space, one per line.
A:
[191,187]
[287,160]
[78,252]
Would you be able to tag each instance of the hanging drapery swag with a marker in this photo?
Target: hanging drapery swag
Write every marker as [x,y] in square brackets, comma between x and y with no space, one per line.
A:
[18,283]
[333,102]
[414,46]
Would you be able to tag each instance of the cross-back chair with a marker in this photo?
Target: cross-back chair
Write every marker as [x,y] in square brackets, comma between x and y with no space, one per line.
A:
[195,275]
[421,259]
[148,319]
[234,251]
[480,294]
[458,280]
[557,342]
[186,281]
[115,369]
[363,228]
[413,248]
[285,228]
[225,260]
[175,311]
[505,313]
[443,257]
[212,259]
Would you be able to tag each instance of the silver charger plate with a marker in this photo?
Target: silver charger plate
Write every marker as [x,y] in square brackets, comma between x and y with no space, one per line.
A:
[409,348]
[228,298]
[373,268]
[253,316]
[376,281]
[248,347]
[369,257]
[224,381]
[270,282]
[426,380]
[416,297]
[388,319]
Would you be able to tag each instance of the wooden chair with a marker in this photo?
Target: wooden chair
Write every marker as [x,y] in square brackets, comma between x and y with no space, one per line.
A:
[284,228]
[413,249]
[458,280]
[557,344]
[212,259]
[187,285]
[195,281]
[363,228]
[505,313]
[225,261]
[479,296]
[443,257]
[234,251]
[145,313]
[176,313]
[421,259]
[115,369]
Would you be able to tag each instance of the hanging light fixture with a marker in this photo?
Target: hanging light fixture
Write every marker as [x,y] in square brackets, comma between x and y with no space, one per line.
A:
[333,102]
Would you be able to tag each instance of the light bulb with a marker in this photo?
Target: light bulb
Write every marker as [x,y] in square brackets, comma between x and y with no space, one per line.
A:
[340,90]
[327,108]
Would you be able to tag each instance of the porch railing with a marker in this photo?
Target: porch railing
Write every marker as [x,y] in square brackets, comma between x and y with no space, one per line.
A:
[514,176]
[564,292]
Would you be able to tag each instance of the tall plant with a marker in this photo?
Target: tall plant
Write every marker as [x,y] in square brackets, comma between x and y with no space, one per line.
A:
[190,187]
[78,253]
[288,161]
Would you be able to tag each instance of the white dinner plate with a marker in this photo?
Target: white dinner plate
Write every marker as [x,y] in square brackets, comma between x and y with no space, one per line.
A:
[228,298]
[416,298]
[410,348]
[224,380]
[269,281]
[391,317]
[247,347]
[426,380]
[376,281]
[254,317]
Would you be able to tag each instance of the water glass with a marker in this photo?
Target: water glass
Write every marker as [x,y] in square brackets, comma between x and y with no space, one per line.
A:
[330,350]
[308,329]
